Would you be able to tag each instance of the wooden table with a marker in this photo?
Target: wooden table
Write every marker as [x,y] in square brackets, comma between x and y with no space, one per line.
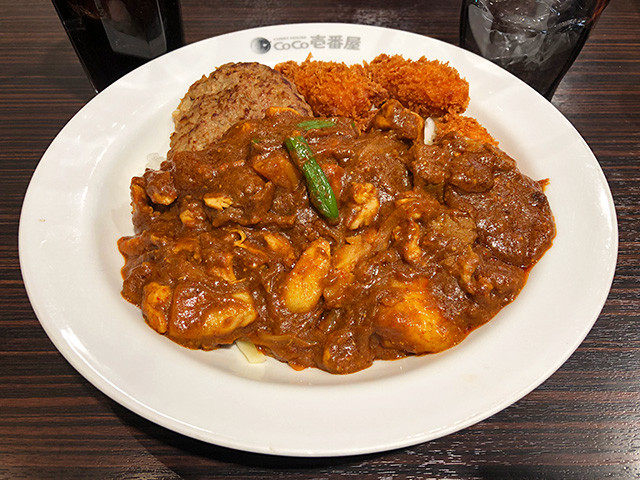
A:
[583,423]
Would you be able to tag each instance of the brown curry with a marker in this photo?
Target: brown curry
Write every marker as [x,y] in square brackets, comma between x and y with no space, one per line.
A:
[431,241]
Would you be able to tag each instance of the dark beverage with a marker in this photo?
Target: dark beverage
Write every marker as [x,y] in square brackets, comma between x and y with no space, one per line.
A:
[113,37]
[537,41]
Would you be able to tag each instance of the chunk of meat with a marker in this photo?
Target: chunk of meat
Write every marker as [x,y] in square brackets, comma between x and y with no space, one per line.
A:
[429,164]
[303,285]
[281,246]
[155,305]
[342,277]
[276,166]
[245,197]
[238,311]
[192,214]
[200,313]
[450,232]
[160,187]
[407,241]
[513,218]
[406,124]
[380,161]
[364,205]
[408,318]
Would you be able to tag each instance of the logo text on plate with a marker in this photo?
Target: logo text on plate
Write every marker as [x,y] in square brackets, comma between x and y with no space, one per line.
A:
[335,42]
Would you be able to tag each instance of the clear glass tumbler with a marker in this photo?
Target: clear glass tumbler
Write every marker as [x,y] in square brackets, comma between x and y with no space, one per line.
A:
[536,40]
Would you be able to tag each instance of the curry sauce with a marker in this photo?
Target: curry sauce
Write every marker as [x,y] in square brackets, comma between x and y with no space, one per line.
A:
[431,241]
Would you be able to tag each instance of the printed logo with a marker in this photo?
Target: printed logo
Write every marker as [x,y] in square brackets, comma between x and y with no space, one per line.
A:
[260,45]
[334,42]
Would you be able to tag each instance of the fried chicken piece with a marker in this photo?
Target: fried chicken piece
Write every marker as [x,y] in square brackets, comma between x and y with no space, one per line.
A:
[335,89]
[428,87]
[466,126]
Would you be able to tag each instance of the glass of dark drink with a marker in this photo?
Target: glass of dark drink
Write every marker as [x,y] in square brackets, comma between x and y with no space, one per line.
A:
[536,40]
[113,37]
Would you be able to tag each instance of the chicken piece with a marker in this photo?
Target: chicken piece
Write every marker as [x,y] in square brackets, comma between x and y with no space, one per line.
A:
[155,305]
[364,205]
[277,167]
[160,187]
[142,211]
[407,237]
[192,213]
[303,285]
[220,264]
[343,261]
[280,245]
[347,256]
[238,312]
[201,317]
[409,319]
[417,205]
[217,201]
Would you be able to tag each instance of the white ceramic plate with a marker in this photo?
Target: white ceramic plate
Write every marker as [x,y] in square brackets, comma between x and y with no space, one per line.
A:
[77,206]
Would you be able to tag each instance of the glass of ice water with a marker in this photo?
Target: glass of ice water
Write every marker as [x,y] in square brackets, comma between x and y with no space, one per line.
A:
[536,40]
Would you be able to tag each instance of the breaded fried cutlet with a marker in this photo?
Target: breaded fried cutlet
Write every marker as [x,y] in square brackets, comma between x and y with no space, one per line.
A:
[428,87]
[466,126]
[334,89]
[233,92]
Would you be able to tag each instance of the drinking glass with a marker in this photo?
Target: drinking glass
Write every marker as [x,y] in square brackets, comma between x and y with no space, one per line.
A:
[536,40]
[113,37]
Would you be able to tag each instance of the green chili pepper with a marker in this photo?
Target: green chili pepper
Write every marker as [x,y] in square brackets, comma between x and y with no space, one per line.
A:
[316,123]
[320,191]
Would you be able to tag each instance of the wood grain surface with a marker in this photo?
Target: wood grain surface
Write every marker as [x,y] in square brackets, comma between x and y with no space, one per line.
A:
[582,423]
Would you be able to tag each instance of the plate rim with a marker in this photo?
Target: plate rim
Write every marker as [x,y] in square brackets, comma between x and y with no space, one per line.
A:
[116,394]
